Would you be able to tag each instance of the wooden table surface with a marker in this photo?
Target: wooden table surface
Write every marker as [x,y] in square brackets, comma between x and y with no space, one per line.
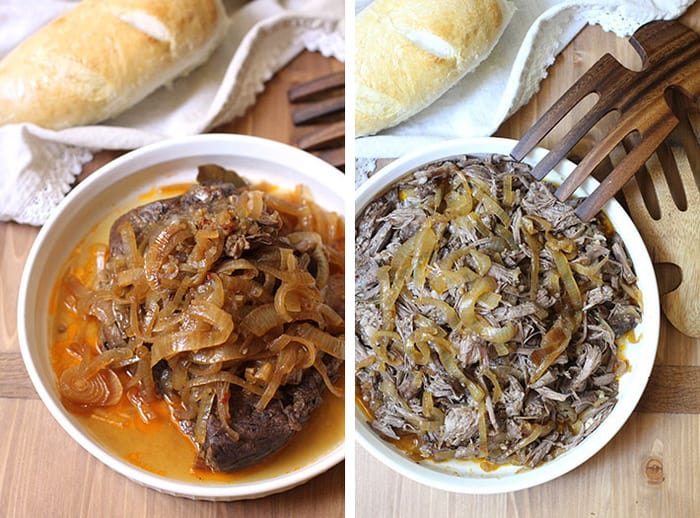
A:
[43,472]
[652,466]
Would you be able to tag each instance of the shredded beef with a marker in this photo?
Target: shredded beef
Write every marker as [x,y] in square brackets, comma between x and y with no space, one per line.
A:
[421,373]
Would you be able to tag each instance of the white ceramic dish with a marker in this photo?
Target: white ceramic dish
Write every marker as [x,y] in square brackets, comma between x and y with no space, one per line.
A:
[467,477]
[98,197]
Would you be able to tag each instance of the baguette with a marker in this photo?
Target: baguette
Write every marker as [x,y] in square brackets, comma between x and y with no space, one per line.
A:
[410,52]
[103,57]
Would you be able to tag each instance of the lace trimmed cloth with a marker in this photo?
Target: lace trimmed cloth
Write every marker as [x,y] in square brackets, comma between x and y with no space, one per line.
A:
[39,165]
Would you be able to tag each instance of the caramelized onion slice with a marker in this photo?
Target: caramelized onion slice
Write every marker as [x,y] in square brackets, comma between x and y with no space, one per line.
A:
[311,242]
[205,407]
[286,363]
[128,239]
[262,319]
[567,276]
[381,342]
[100,389]
[467,304]
[425,246]
[222,377]
[447,355]
[321,368]
[448,311]
[160,246]
[417,347]
[497,335]
[554,343]
[329,344]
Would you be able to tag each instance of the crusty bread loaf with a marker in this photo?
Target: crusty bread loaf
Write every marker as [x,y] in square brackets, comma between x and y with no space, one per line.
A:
[409,52]
[103,57]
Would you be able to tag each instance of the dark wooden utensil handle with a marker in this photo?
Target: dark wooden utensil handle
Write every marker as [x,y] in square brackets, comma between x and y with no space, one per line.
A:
[307,90]
[316,110]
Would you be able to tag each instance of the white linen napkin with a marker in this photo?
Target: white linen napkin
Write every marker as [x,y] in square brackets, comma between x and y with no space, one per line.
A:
[508,78]
[37,165]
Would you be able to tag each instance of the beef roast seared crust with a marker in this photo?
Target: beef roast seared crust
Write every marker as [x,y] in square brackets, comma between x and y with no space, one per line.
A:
[262,433]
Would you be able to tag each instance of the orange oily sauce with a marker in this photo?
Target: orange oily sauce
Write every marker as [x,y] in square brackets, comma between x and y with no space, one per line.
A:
[159,446]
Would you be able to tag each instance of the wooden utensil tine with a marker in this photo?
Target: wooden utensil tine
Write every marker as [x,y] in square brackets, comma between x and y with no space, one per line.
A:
[673,233]
[685,171]
[588,83]
[668,159]
[646,126]
[324,98]
[685,136]
[572,137]
[652,136]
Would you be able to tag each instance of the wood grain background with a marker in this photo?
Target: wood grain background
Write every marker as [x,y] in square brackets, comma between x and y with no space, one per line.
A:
[43,472]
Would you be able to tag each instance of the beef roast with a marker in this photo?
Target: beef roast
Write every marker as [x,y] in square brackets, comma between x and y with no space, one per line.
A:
[260,432]
[144,217]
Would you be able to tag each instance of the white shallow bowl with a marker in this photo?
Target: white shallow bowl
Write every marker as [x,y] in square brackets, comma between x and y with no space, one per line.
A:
[97,198]
[465,476]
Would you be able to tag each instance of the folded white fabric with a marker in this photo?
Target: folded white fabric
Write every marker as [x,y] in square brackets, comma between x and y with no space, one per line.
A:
[508,78]
[38,165]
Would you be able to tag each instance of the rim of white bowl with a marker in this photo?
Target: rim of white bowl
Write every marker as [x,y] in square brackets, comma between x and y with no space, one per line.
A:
[184,147]
[383,451]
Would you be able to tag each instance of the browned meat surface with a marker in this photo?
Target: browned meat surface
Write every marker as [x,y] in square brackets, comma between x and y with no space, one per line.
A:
[143,218]
[261,433]
[248,433]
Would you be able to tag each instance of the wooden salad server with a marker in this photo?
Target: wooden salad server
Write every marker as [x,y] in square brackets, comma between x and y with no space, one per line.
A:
[670,55]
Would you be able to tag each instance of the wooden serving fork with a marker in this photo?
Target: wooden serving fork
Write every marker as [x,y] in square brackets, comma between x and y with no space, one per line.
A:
[664,202]
[670,55]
